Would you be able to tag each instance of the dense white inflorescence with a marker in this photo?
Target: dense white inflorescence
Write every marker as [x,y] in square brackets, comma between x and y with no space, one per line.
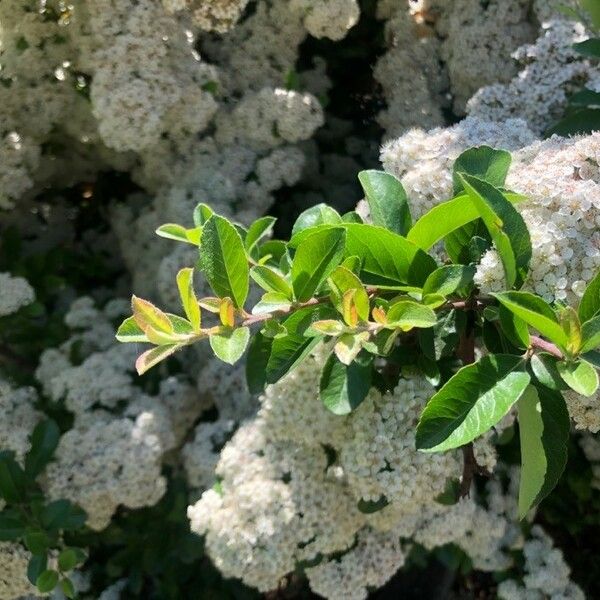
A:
[13,572]
[327,18]
[210,15]
[291,480]
[546,573]
[15,292]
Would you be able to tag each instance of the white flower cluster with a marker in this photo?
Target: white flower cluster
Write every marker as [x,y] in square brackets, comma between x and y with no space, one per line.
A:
[15,292]
[210,15]
[13,572]
[18,418]
[291,480]
[328,18]
[546,573]
[113,456]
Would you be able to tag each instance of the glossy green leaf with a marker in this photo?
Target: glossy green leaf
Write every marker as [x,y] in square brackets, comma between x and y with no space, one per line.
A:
[271,281]
[514,328]
[12,479]
[185,284]
[387,200]
[580,376]
[172,231]
[259,230]
[318,255]
[544,368]
[342,388]
[578,122]
[202,213]
[486,163]
[230,346]
[536,312]
[321,214]
[259,352]
[11,527]
[505,225]
[589,305]
[223,260]
[449,279]
[67,560]
[37,541]
[471,402]
[387,258]
[130,331]
[63,514]
[67,588]
[44,440]
[369,507]
[544,428]
[36,566]
[407,315]
[590,334]
[447,217]
[589,48]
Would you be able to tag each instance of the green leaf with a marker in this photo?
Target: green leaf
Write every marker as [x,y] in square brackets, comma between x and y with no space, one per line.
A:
[544,368]
[352,217]
[387,201]
[202,213]
[592,7]
[223,260]
[271,281]
[11,527]
[505,225]
[47,581]
[341,281]
[544,428]
[368,507]
[68,560]
[37,541]
[321,214]
[289,350]
[486,163]
[514,328]
[44,441]
[260,229]
[536,312]
[152,357]
[342,388]
[387,258]
[185,284]
[449,279]
[590,302]
[589,48]
[471,402]
[590,333]
[584,98]
[447,217]
[67,588]
[231,345]
[63,514]
[407,315]
[172,231]
[259,351]
[580,376]
[12,479]
[578,122]
[36,566]
[318,255]
[130,331]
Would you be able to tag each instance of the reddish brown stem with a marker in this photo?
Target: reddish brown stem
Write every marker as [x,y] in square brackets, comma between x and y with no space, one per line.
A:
[541,344]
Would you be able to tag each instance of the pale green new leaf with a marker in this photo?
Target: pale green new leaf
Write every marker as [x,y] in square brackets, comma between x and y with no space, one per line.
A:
[271,302]
[387,200]
[505,226]
[536,312]
[230,345]
[147,315]
[407,315]
[185,284]
[172,231]
[318,255]
[130,331]
[580,376]
[544,367]
[471,402]
[340,281]
[223,260]
[152,357]
[321,214]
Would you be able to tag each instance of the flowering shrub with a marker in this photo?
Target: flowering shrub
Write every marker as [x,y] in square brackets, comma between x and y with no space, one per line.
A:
[350,451]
